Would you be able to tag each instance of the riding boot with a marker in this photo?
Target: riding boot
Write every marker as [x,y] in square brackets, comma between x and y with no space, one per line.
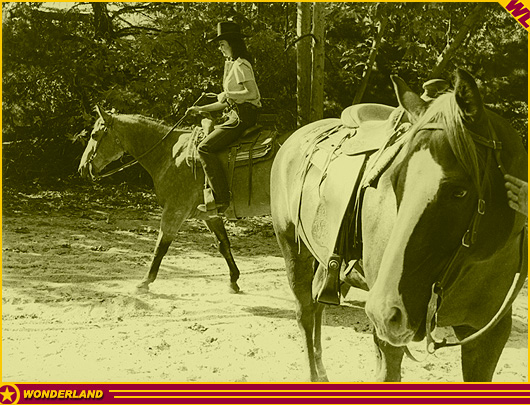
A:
[208,154]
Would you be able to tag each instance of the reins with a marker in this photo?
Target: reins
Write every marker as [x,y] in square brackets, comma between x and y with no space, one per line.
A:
[494,146]
[152,148]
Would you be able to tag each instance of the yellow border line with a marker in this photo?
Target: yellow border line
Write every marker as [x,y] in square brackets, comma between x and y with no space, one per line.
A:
[304,397]
[270,385]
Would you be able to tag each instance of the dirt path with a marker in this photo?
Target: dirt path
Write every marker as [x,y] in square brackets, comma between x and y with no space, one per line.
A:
[71,314]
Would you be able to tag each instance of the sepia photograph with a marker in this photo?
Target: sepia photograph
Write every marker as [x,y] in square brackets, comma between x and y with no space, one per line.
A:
[264,192]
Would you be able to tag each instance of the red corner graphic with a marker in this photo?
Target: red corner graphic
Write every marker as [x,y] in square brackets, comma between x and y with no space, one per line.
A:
[519,11]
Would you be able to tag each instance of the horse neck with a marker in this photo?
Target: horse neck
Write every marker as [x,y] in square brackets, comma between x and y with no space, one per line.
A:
[144,140]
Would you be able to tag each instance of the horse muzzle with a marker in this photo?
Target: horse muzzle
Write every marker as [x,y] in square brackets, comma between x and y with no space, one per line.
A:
[86,171]
[390,321]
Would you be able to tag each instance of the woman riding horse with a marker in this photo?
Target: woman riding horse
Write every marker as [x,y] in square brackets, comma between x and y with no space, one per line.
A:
[240,100]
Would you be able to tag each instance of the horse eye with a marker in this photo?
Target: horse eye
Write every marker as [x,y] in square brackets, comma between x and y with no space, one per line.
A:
[96,135]
[460,193]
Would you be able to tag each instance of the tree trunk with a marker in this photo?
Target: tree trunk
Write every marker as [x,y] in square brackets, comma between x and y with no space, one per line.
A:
[102,23]
[447,54]
[317,79]
[371,58]
[303,56]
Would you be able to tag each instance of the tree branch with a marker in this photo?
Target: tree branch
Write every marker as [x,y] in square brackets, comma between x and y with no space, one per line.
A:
[300,38]
[446,55]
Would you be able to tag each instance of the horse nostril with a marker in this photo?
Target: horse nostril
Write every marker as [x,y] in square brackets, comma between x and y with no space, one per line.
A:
[395,316]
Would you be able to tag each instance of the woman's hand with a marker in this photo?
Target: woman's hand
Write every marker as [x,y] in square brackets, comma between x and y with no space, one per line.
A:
[194,110]
[517,191]
[221,97]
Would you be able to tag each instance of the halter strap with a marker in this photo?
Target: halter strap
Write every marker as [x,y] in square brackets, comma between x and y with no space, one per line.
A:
[431,126]
[432,309]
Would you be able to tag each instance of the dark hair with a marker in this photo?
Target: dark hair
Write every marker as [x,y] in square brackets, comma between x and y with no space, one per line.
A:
[239,48]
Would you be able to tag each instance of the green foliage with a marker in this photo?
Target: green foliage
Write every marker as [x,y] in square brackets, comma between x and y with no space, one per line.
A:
[154,59]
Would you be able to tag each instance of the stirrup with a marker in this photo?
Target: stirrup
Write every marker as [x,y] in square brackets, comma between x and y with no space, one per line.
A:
[326,282]
[209,201]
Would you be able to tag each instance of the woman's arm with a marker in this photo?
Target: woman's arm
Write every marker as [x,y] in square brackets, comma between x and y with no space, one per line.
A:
[217,106]
[250,92]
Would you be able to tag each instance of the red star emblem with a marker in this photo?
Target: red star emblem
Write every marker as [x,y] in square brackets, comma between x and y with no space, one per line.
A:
[9,394]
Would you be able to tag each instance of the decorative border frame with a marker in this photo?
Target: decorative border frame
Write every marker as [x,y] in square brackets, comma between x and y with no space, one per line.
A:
[277,393]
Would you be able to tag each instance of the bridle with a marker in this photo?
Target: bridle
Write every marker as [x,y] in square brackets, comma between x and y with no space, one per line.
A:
[105,130]
[494,147]
[135,160]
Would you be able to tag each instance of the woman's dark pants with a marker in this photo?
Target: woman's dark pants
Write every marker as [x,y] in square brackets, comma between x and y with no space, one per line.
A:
[217,141]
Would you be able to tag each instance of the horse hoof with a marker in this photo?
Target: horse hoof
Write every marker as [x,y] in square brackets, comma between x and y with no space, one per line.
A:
[142,288]
[320,378]
[234,288]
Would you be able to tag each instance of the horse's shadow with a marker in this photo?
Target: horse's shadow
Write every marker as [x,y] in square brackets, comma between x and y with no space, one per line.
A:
[334,316]
[354,316]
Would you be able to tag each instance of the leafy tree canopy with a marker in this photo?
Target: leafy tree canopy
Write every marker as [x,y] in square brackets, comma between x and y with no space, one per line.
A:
[154,59]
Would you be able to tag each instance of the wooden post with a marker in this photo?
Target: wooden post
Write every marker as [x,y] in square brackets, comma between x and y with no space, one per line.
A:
[303,60]
[317,79]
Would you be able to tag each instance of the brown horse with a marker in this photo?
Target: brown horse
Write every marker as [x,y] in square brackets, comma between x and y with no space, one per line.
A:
[441,246]
[163,152]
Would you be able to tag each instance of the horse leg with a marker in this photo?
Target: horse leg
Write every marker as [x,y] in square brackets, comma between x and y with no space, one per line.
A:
[299,267]
[170,224]
[321,370]
[389,359]
[480,356]
[162,245]
[216,225]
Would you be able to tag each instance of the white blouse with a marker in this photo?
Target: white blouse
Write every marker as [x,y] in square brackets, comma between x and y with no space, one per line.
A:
[236,73]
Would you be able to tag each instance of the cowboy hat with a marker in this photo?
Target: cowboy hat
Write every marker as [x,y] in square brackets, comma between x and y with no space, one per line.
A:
[434,88]
[227,29]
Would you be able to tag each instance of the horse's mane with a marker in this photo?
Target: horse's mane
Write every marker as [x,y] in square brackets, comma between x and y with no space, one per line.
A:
[445,110]
[142,119]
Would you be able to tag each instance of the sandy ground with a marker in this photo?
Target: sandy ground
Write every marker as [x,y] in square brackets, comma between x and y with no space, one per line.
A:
[70,311]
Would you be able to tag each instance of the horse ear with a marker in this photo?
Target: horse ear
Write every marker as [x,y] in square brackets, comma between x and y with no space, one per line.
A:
[410,101]
[468,96]
[102,114]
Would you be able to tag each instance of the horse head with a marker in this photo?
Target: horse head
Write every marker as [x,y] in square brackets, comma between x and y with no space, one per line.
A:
[102,148]
[442,194]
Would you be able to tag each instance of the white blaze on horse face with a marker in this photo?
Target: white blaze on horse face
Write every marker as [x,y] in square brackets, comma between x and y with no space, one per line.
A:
[87,155]
[423,178]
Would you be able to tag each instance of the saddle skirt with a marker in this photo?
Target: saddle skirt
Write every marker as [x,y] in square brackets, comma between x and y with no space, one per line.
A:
[334,173]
